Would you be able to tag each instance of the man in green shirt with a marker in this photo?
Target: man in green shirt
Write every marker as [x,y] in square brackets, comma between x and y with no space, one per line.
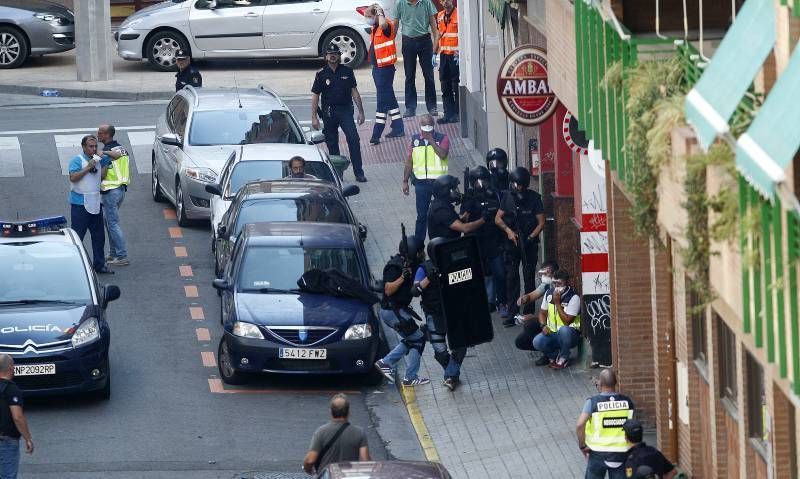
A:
[417,19]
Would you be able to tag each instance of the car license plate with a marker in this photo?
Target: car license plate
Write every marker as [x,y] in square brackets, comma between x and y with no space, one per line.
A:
[303,353]
[34,369]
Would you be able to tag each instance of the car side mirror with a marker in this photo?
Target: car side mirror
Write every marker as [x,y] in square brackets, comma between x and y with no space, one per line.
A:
[214,189]
[171,139]
[376,286]
[221,284]
[110,293]
[351,190]
[221,231]
[362,231]
[315,137]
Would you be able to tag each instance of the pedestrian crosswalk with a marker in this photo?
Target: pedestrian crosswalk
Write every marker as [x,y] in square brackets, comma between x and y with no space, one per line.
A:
[12,161]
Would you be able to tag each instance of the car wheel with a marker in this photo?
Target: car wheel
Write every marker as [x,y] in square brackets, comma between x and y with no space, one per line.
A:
[13,47]
[226,369]
[180,207]
[161,49]
[351,45]
[155,186]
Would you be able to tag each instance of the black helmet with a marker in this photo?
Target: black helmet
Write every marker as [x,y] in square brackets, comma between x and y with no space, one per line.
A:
[443,187]
[413,246]
[430,249]
[478,173]
[496,157]
[521,176]
[333,48]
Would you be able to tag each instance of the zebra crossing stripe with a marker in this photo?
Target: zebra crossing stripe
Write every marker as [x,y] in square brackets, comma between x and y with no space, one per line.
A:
[10,157]
[141,147]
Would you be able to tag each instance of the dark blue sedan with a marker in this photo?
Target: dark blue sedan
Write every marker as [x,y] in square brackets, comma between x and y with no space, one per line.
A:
[273,327]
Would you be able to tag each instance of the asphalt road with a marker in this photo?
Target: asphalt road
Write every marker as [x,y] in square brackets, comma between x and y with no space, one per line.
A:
[167,416]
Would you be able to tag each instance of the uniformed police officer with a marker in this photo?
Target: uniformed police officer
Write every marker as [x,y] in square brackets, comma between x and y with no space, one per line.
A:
[497,163]
[337,85]
[443,221]
[521,217]
[642,457]
[600,435]
[188,74]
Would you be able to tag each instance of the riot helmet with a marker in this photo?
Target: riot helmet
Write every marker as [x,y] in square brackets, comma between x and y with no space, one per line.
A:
[431,248]
[519,180]
[445,187]
[496,158]
[412,250]
[479,178]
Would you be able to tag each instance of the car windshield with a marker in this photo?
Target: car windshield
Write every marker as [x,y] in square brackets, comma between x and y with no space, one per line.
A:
[247,171]
[243,127]
[316,209]
[279,267]
[43,271]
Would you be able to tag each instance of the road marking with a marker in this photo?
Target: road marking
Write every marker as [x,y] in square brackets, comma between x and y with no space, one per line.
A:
[208,359]
[203,334]
[185,270]
[218,387]
[196,312]
[180,251]
[68,146]
[142,146]
[169,214]
[410,398]
[175,232]
[88,130]
[10,157]
[190,291]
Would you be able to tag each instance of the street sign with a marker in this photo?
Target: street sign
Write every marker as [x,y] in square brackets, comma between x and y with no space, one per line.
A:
[522,86]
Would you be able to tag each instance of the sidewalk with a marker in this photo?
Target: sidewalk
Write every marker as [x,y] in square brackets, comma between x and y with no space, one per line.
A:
[137,81]
[509,418]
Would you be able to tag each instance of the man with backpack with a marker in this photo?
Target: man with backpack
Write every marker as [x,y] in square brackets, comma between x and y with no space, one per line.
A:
[337,440]
[13,424]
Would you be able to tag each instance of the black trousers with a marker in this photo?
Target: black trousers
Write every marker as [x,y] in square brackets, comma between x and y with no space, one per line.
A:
[530,329]
[419,48]
[448,76]
[341,116]
[83,221]
[513,260]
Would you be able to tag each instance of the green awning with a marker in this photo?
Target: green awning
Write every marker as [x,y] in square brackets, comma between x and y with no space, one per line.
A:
[764,152]
[499,10]
[712,101]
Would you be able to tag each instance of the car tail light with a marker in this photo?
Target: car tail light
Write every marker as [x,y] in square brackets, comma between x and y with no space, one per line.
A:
[361,10]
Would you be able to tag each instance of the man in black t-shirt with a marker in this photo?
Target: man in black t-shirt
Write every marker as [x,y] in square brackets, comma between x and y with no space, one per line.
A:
[521,217]
[640,454]
[12,420]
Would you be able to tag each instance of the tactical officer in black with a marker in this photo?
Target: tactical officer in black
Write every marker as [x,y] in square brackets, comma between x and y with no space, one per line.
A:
[497,163]
[336,84]
[427,285]
[187,74]
[644,461]
[481,201]
[521,217]
[443,221]
[396,312]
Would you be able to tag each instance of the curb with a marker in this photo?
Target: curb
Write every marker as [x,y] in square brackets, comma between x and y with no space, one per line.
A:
[87,93]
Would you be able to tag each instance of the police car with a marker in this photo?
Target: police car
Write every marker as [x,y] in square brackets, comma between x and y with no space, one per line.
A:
[52,310]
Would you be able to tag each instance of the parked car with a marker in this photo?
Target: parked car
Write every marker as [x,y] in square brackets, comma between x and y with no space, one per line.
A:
[281,200]
[384,470]
[271,326]
[265,162]
[53,310]
[33,28]
[245,29]
[199,132]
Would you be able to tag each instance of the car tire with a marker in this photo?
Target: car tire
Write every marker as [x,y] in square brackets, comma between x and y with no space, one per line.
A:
[180,205]
[14,49]
[155,185]
[349,42]
[161,47]
[226,371]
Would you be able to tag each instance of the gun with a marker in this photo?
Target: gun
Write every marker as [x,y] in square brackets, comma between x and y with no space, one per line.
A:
[404,247]
[522,240]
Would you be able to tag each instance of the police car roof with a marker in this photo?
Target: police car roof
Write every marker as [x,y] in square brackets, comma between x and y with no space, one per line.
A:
[289,188]
[318,235]
[220,98]
[279,151]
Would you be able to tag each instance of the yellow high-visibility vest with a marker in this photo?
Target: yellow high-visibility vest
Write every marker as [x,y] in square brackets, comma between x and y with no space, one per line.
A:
[603,430]
[425,163]
[118,174]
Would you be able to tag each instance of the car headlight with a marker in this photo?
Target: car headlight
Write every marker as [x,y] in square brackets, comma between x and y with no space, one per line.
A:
[54,20]
[205,175]
[246,330]
[358,331]
[87,332]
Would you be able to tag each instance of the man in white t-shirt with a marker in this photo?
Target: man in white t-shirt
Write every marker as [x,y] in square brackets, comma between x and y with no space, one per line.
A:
[560,317]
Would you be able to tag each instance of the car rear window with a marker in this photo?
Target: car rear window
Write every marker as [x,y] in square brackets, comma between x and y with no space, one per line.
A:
[42,271]
[319,210]
[243,127]
[281,266]
[254,170]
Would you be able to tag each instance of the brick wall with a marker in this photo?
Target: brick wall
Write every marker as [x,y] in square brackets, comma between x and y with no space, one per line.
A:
[561,57]
[632,330]
[783,437]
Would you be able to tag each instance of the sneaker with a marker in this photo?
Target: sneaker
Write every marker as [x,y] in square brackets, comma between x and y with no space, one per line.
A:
[396,134]
[118,262]
[434,112]
[418,381]
[109,258]
[543,361]
[449,383]
[104,270]
[594,365]
[374,141]
[605,366]
[385,370]
[561,363]
[509,323]
[409,113]
[503,309]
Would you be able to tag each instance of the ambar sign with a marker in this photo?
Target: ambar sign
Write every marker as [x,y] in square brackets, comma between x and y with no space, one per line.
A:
[523,88]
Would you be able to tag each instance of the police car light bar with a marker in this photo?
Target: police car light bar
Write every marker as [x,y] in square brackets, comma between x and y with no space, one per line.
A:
[30,228]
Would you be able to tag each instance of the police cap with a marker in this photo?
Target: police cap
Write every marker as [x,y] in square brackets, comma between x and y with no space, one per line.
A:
[520,176]
[443,185]
[181,54]
[633,430]
[333,48]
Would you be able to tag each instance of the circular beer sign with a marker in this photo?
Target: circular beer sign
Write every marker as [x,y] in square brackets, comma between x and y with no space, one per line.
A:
[522,86]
